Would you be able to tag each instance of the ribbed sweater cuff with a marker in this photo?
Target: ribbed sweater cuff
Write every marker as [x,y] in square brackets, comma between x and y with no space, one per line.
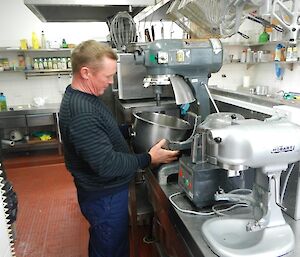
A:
[144,160]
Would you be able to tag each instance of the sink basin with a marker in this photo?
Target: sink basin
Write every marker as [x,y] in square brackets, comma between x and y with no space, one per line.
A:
[227,237]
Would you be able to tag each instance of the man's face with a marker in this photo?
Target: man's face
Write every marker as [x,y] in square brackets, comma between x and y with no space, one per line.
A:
[101,77]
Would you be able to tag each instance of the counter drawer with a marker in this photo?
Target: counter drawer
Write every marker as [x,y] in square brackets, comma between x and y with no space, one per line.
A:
[15,121]
[40,120]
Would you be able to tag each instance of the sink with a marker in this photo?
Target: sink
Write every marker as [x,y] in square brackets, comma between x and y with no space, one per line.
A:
[227,237]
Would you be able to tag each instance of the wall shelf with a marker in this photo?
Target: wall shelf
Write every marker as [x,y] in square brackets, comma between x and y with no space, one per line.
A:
[290,65]
[50,72]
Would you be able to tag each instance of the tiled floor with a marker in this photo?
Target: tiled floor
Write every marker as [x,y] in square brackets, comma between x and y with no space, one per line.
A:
[49,222]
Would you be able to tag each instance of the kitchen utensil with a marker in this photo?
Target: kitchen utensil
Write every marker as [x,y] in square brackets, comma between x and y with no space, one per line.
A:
[15,135]
[261,90]
[149,128]
[147,35]
[152,33]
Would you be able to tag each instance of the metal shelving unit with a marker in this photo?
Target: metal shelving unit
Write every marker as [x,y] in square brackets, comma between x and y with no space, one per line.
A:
[36,53]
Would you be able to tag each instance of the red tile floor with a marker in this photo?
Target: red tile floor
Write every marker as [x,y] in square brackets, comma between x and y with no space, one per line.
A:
[49,222]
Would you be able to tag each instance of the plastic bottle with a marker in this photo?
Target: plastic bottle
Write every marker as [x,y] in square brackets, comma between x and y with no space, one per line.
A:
[64,44]
[35,41]
[45,63]
[69,63]
[43,40]
[243,56]
[63,63]
[3,106]
[50,66]
[59,63]
[54,64]
[277,56]
[35,64]
[41,64]
[295,53]
[289,54]
[264,37]
[249,57]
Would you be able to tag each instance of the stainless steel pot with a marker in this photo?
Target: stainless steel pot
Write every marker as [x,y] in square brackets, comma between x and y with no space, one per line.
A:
[151,127]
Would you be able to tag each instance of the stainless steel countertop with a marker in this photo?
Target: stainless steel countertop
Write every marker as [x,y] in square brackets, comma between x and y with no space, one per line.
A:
[243,98]
[30,109]
[190,225]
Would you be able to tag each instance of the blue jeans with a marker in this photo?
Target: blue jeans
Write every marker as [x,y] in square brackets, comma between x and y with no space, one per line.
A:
[107,215]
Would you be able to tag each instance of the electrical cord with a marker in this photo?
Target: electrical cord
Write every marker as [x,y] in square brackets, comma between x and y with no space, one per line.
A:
[215,209]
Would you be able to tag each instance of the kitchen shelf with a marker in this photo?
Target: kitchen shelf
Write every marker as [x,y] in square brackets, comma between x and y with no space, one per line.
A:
[50,72]
[31,144]
[13,49]
[255,44]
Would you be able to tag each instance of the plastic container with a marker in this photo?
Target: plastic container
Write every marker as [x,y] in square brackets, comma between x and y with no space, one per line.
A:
[43,40]
[264,37]
[278,52]
[3,105]
[35,41]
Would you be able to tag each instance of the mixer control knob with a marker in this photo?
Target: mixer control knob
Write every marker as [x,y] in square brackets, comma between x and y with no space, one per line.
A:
[218,140]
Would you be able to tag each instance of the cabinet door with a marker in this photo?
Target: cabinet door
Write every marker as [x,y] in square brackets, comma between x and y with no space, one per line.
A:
[40,119]
[15,121]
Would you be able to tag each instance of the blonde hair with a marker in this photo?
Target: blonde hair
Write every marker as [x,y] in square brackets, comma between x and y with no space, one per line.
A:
[90,52]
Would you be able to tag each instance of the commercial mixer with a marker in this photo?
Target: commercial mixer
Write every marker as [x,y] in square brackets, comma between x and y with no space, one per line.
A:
[227,142]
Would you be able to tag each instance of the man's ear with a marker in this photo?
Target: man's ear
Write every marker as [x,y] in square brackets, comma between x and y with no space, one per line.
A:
[84,72]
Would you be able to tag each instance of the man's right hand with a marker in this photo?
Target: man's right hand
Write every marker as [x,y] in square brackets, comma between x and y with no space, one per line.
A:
[160,155]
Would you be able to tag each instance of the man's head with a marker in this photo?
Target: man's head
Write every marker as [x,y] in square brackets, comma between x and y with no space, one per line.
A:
[94,66]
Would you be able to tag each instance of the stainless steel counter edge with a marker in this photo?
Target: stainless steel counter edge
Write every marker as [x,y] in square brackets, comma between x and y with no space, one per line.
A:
[263,104]
[191,224]
[26,110]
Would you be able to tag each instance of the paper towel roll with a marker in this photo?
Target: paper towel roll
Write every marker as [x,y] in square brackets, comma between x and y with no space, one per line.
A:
[246,81]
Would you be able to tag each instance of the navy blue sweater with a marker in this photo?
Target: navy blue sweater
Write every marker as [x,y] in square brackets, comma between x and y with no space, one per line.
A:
[95,150]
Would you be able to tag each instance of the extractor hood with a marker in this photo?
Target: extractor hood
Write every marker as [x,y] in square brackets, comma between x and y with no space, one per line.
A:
[83,10]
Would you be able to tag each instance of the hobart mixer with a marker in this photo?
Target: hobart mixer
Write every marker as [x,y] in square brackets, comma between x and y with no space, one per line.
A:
[267,147]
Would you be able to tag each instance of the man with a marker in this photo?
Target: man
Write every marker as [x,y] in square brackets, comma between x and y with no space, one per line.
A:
[96,152]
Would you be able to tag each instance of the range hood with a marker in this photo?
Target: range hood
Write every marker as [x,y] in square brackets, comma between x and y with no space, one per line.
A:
[83,10]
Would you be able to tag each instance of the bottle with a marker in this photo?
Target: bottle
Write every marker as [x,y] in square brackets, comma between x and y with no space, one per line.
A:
[58,63]
[54,64]
[264,37]
[35,41]
[289,53]
[43,40]
[243,56]
[69,63]
[64,44]
[50,66]
[45,63]
[41,64]
[35,64]
[3,106]
[63,63]
[249,55]
[277,57]
[295,53]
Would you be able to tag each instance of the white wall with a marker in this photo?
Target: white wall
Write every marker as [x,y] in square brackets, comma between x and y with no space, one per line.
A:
[19,22]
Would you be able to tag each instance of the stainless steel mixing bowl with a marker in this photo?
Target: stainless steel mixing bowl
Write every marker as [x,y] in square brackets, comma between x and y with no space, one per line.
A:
[150,128]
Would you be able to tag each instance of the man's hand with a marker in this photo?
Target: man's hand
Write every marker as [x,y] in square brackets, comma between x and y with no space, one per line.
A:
[160,155]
